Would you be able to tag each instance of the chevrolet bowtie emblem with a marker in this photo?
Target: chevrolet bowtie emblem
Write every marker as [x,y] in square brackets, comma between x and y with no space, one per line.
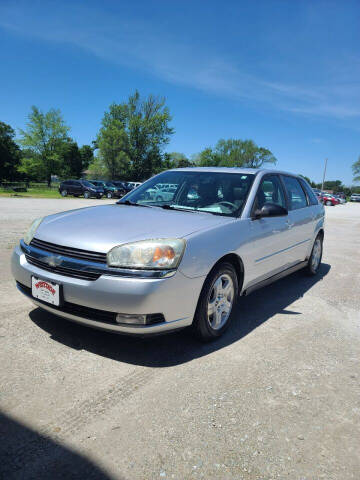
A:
[53,261]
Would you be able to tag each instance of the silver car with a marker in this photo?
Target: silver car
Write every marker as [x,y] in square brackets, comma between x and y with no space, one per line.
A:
[142,266]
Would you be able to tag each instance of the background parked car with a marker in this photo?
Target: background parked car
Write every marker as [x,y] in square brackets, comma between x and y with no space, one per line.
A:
[329,200]
[110,189]
[355,197]
[160,193]
[340,198]
[133,185]
[80,187]
[122,185]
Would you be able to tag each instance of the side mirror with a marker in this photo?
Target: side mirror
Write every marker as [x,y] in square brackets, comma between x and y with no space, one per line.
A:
[270,210]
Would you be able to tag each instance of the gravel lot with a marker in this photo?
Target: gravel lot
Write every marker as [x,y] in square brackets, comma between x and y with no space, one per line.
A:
[277,397]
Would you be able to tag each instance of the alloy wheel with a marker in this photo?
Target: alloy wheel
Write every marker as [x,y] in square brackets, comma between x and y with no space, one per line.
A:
[316,254]
[220,301]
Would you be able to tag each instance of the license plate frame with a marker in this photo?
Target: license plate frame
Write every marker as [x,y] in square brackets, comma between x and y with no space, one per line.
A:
[46,291]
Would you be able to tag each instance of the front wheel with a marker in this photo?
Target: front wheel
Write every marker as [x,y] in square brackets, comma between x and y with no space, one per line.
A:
[217,298]
[328,203]
[109,195]
[314,262]
[86,194]
[64,193]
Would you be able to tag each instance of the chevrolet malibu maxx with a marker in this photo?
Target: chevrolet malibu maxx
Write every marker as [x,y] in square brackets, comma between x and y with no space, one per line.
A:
[145,266]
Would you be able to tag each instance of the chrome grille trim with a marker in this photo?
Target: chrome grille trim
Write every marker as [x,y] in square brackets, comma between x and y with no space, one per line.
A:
[69,251]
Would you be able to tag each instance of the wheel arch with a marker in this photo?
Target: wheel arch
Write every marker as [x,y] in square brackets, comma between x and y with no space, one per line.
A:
[236,262]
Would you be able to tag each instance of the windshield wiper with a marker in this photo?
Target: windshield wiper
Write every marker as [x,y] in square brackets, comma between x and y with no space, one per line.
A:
[133,204]
[180,209]
[192,210]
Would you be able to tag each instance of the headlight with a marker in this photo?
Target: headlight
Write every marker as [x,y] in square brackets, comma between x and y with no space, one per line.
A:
[148,254]
[32,230]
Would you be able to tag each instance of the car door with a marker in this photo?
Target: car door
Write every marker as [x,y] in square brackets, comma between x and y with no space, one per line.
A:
[301,218]
[270,238]
[78,188]
[70,187]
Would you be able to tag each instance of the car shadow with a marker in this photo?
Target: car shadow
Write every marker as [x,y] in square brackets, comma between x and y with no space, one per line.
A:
[181,347]
[27,454]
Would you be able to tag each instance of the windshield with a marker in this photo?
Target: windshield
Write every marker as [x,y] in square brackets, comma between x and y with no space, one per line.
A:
[87,184]
[212,192]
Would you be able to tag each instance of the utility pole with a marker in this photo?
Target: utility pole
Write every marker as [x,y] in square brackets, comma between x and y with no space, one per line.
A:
[322,186]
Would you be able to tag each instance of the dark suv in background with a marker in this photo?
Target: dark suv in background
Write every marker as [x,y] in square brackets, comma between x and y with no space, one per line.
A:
[80,187]
[110,189]
[123,185]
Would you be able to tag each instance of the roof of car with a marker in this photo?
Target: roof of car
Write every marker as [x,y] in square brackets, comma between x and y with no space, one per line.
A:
[232,170]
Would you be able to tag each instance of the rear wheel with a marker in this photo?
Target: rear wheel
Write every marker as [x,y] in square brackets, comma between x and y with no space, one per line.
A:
[86,194]
[328,203]
[64,193]
[217,298]
[109,195]
[314,262]
[159,199]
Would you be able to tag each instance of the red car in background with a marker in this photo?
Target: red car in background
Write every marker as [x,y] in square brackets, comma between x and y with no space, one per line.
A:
[329,200]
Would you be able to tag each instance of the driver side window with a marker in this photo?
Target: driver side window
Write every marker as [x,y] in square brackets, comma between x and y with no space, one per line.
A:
[270,191]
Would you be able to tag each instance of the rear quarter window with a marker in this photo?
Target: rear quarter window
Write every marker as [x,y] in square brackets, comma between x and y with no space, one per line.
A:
[309,192]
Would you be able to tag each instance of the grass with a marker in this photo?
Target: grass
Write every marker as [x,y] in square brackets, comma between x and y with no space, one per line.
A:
[32,193]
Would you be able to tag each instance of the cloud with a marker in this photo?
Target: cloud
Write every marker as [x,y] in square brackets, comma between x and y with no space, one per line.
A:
[139,45]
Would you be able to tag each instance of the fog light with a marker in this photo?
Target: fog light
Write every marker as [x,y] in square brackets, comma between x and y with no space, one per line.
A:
[131,319]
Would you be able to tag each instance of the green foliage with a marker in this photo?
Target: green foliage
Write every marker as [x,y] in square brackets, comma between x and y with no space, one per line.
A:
[71,160]
[87,156]
[44,138]
[235,153]
[132,137]
[356,170]
[97,169]
[174,160]
[310,182]
[9,154]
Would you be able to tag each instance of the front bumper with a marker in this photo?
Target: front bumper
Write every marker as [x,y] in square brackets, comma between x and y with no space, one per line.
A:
[175,297]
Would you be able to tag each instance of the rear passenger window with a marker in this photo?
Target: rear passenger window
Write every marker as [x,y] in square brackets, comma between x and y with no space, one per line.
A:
[295,193]
[311,196]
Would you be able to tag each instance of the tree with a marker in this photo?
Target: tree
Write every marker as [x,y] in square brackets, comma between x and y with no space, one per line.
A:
[356,170]
[44,137]
[87,156]
[310,182]
[132,137]
[179,160]
[9,153]
[235,153]
[71,160]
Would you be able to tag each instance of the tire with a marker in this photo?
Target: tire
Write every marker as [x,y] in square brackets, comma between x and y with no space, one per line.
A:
[328,203]
[312,268]
[209,326]
[77,196]
[63,193]
[109,195]
[159,199]
[86,194]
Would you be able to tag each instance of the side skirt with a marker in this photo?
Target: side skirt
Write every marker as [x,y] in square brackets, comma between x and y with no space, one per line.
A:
[274,278]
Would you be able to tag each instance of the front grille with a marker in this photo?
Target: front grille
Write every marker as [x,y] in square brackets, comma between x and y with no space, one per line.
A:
[69,251]
[68,272]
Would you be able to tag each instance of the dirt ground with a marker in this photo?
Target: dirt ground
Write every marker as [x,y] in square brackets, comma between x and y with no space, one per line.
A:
[278,397]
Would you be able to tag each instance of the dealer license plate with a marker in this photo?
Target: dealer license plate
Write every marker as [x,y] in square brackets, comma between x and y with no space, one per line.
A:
[48,292]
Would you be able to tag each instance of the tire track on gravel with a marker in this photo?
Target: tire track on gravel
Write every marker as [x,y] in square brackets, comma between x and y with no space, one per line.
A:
[30,452]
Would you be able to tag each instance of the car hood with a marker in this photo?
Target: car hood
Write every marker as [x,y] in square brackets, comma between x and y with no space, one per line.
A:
[102,227]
